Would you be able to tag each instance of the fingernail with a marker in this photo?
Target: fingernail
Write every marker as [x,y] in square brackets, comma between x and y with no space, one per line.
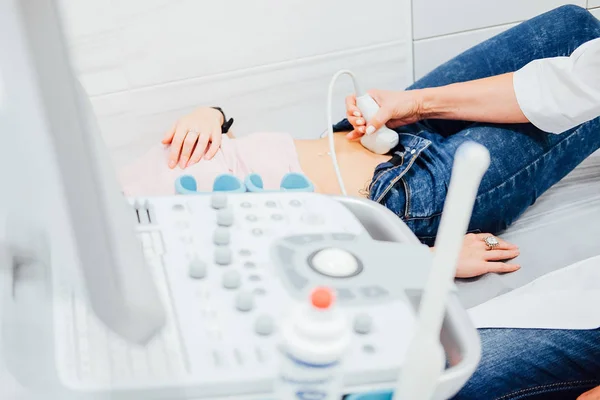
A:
[356,114]
[361,129]
[172,164]
[370,129]
[360,121]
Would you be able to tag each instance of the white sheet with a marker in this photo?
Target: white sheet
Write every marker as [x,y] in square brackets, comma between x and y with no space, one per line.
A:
[564,299]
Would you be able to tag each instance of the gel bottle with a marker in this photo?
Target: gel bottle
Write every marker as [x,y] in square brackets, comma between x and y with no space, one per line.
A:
[314,340]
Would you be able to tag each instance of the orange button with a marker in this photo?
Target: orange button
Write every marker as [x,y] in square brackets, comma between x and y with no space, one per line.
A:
[322,297]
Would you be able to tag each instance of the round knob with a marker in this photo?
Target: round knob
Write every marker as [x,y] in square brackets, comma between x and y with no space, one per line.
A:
[221,236]
[232,279]
[363,323]
[264,325]
[218,201]
[225,217]
[335,263]
[244,301]
[223,255]
[197,269]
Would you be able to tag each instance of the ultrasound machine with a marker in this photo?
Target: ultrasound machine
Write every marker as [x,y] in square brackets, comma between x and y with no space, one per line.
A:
[180,297]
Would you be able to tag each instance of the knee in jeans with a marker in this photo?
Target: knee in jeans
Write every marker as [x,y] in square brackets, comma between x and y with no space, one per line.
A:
[578,16]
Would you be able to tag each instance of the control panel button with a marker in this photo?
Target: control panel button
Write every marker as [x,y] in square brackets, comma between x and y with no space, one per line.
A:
[221,236]
[304,239]
[264,325]
[225,217]
[178,207]
[285,254]
[257,232]
[270,204]
[251,218]
[197,269]
[277,217]
[373,292]
[223,255]
[344,294]
[218,201]
[369,348]
[335,263]
[295,203]
[245,204]
[343,236]
[363,323]
[313,219]
[232,279]
[244,301]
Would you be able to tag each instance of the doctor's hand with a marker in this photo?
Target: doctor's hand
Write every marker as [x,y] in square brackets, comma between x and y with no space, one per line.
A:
[194,136]
[593,394]
[476,259]
[396,109]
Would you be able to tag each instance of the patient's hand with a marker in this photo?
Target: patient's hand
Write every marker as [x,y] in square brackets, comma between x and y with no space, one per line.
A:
[593,394]
[194,136]
[476,259]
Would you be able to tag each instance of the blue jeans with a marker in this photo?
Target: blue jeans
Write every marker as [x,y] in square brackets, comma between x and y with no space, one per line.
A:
[525,161]
[535,364]
[516,363]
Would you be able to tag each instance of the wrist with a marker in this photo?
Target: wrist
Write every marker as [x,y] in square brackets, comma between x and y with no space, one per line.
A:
[219,115]
[432,105]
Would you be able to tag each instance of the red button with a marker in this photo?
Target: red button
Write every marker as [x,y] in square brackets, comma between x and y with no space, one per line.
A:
[322,298]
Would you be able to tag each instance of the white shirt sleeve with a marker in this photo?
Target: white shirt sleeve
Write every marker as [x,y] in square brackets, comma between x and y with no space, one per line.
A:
[557,94]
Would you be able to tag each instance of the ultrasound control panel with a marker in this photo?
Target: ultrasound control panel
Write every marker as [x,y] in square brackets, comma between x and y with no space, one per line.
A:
[229,268]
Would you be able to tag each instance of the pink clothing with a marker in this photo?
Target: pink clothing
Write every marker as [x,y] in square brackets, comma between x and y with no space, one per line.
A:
[270,155]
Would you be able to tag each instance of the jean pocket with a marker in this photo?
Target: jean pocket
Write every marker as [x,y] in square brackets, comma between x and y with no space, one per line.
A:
[396,199]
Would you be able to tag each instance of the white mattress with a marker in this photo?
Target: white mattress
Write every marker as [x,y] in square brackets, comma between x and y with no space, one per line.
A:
[561,228]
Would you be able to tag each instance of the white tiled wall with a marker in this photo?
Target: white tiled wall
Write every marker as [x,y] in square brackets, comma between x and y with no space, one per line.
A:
[593,3]
[445,28]
[440,17]
[267,62]
[429,53]
[596,12]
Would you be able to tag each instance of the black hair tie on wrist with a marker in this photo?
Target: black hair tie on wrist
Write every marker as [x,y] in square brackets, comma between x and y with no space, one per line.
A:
[226,123]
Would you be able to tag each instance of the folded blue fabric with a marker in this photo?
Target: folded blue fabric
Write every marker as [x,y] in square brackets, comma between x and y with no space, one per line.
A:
[186,184]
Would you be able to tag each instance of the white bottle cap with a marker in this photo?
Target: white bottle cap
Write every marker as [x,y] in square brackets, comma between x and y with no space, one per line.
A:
[317,332]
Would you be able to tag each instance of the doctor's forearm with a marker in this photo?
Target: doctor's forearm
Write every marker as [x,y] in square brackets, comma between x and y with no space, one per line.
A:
[485,100]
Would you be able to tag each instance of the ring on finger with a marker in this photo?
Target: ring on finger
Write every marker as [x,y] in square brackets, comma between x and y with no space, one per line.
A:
[491,242]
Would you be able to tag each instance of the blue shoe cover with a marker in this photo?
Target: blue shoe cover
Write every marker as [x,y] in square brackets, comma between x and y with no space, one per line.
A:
[295,182]
[254,183]
[186,184]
